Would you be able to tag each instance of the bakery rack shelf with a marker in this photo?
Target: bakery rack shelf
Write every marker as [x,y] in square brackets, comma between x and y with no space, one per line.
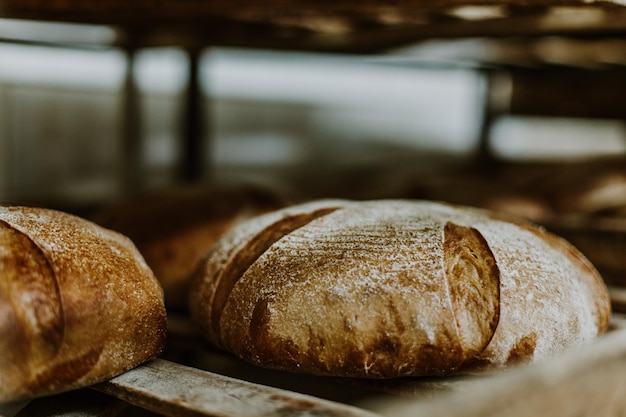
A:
[342,26]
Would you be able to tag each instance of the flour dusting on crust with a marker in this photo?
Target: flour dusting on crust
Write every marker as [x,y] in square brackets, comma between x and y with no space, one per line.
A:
[362,292]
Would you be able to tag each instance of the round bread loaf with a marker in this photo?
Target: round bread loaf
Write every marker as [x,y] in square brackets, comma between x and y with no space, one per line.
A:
[78,304]
[175,228]
[395,288]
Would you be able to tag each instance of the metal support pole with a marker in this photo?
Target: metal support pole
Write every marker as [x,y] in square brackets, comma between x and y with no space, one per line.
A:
[132,146]
[194,150]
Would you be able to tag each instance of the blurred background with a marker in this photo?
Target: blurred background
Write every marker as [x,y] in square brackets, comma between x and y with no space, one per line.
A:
[264,114]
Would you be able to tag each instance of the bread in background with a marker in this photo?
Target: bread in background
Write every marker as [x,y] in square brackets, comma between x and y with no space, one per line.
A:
[175,228]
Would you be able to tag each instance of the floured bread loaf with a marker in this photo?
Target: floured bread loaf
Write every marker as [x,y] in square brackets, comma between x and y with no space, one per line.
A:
[395,288]
[78,304]
[174,229]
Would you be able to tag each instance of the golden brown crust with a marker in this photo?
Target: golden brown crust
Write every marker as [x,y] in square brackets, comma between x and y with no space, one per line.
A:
[32,323]
[253,249]
[237,245]
[592,278]
[394,288]
[77,304]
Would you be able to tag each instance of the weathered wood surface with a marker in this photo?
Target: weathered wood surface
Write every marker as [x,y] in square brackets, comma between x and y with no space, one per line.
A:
[176,390]
[584,382]
[344,26]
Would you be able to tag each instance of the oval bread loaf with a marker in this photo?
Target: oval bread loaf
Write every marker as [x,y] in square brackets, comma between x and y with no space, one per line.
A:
[78,304]
[395,288]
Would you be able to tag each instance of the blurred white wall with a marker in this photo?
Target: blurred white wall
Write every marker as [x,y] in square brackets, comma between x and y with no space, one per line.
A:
[61,112]
[61,115]
[539,138]
[59,120]
[301,104]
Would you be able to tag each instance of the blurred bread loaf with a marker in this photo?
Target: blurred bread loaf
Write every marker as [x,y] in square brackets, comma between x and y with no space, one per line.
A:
[175,228]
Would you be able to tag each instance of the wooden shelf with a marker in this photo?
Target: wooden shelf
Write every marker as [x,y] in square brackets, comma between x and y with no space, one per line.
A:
[341,26]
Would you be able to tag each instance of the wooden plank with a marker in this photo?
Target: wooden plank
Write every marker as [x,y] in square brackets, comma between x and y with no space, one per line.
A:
[176,390]
[281,11]
[342,26]
[583,382]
